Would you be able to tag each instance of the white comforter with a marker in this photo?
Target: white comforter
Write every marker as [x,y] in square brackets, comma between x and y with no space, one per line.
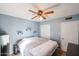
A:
[37,47]
[44,49]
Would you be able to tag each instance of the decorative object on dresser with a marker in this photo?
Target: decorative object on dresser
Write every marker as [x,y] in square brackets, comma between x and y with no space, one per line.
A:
[28,28]
[19,32]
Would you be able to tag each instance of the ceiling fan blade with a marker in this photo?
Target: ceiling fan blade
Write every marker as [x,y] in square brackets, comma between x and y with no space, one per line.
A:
[34,17]
[33,11]
[43,17]
[52,6]
[49,12]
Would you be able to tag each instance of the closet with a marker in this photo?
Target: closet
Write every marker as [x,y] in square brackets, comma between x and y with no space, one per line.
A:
[69,34]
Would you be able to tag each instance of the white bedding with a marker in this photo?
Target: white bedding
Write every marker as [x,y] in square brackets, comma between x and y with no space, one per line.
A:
[37,46]
[24,42]
[44,49]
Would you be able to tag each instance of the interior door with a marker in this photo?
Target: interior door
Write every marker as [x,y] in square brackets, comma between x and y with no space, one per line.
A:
[45,31]
[69,33]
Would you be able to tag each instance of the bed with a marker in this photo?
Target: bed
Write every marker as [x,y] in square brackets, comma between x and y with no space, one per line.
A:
[36,46]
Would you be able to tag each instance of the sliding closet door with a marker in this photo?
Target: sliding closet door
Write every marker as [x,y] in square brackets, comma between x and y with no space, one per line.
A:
[45,31]
[69,34]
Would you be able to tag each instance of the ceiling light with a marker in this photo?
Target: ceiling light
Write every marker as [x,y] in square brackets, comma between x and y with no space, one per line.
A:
[40,18]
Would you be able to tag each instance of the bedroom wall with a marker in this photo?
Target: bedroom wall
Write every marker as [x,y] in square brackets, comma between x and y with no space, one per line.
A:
[12,25]
[55,26]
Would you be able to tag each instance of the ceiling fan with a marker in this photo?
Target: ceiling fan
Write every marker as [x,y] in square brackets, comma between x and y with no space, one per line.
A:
[42,14]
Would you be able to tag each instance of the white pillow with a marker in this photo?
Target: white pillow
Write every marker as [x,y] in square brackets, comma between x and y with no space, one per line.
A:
[24,42]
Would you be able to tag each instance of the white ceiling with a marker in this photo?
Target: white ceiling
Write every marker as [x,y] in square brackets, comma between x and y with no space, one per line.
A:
[21,10]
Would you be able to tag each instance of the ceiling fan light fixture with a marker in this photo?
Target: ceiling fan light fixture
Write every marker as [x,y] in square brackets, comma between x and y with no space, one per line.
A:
[43,14]
[40,18]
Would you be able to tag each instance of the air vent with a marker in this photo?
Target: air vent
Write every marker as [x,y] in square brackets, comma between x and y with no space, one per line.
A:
[68,18]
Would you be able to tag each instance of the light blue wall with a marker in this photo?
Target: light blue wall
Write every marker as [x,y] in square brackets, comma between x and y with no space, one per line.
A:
[12,24]
[55,26]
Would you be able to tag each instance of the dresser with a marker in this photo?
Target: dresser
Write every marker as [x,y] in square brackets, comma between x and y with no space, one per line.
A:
[5,50]
[4,44]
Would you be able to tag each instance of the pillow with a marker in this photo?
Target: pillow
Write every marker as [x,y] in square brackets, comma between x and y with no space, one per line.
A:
[25,39]
[24,42]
